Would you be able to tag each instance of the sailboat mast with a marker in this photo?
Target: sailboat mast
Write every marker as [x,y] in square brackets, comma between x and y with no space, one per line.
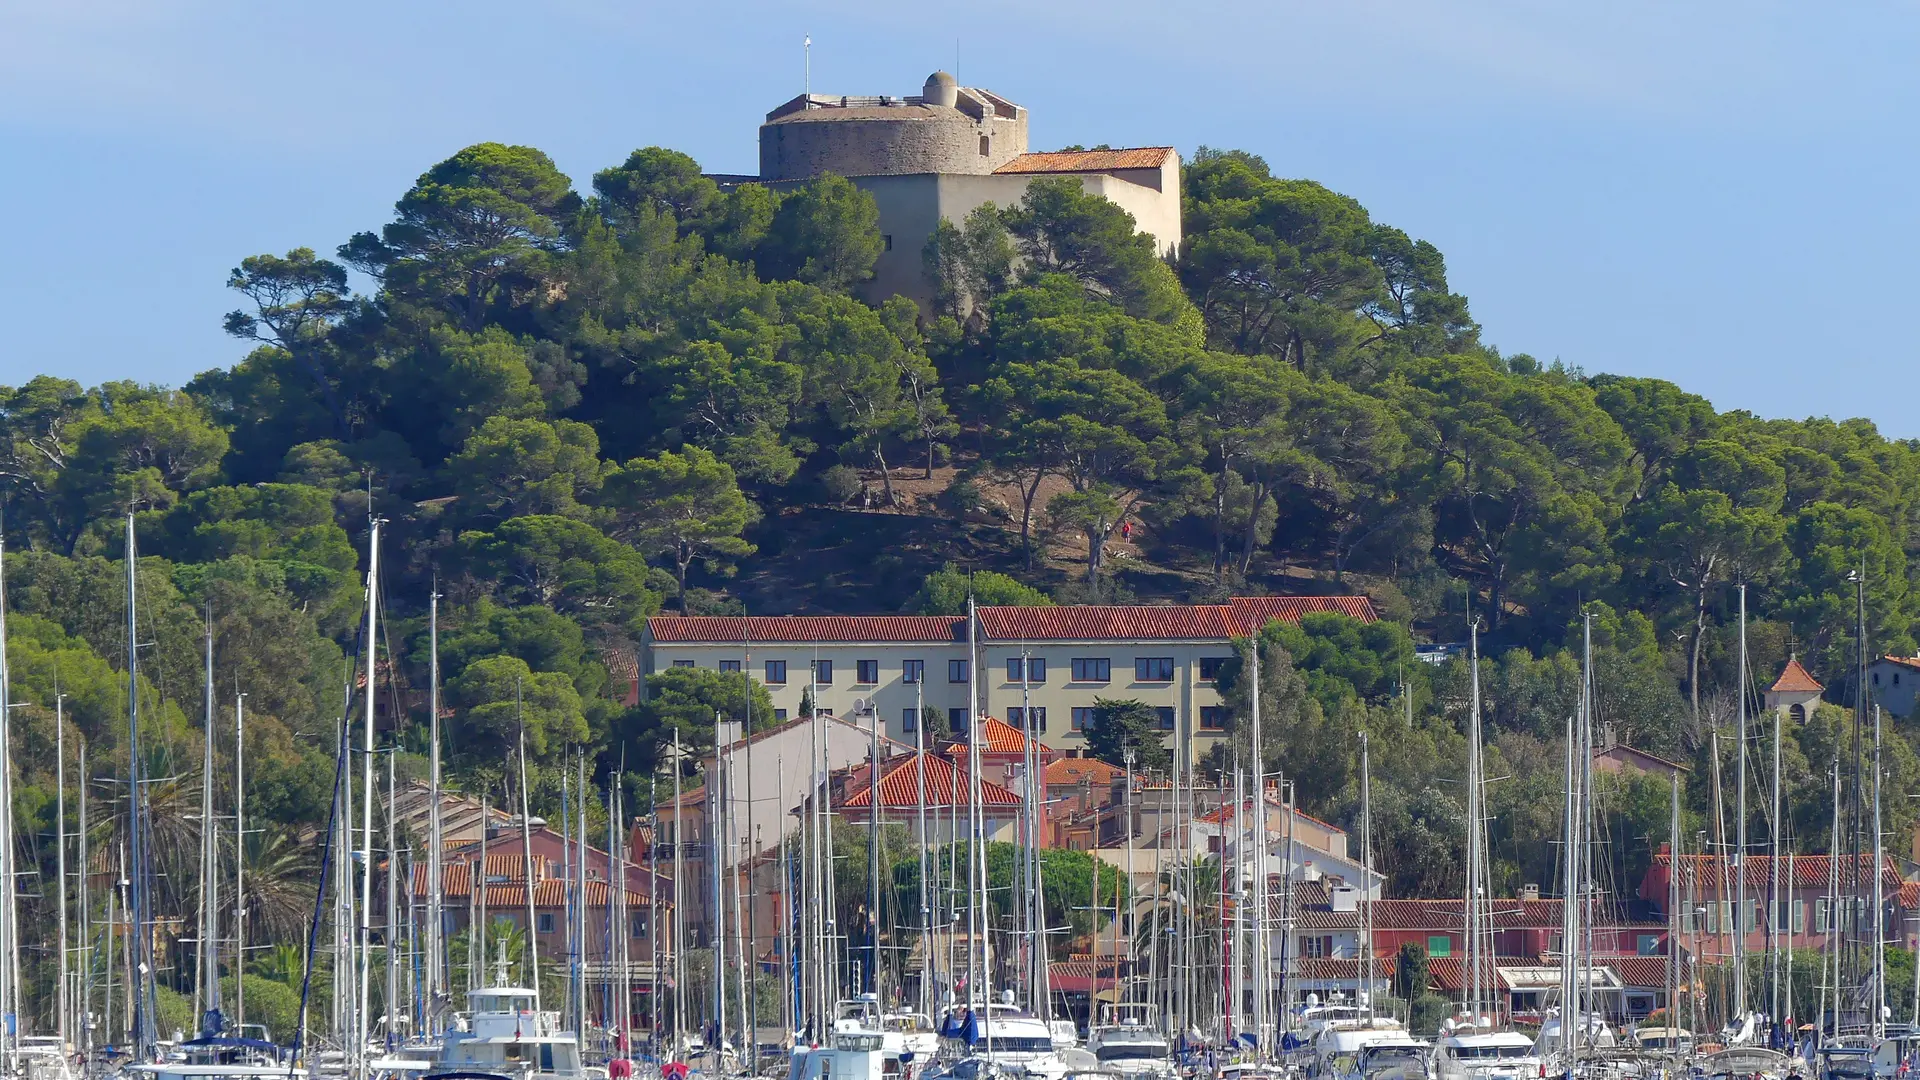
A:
[436,826]
[1366,858]
[1673,910]
[65,995]
[1878,954]
[1742,910]
[1260,958]
[139,959]
[679,877]
[362,1021]
[9,926]
[1778,943]
[920,823]
[1475,993]
[526,854]
[206,988]
[239,858]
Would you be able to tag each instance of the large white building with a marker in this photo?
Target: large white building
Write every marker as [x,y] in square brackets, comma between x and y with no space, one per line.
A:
[1038,668]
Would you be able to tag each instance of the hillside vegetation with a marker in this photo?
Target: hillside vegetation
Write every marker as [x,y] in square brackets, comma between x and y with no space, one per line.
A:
[579,405]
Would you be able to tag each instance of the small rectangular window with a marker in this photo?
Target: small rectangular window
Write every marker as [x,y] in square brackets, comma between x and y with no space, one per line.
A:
[956,671]
[1213,717]
[683,663]
[637,924]
[957,720]
[777,672]
[866,672]
[909,720]
[986,145]
[1153,668]
[1036,669]
[886,241]
[779,716]
[1211,666]
[1165,713]
[912,671]
[1082,719]
[1016,670]
[1439,945]
[1091,669]
[729,665]
[1029,718]
[546,923]
[823,672]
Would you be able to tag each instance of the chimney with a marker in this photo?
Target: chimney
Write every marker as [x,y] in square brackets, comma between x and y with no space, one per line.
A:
[1530,891]
[1344,898]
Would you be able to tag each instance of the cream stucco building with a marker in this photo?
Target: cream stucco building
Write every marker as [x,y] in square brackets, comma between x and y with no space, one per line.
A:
[942,154]
[1040,669]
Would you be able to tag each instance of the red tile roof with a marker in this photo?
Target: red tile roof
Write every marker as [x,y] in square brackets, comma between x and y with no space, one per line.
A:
[1638,971]
[1809,871]
[801,629]
[1091,623]
[1071,161]
[1250,613]
[457,882]
[1448,974]
[1909,894]
[999,737]
[1073,770]
[1206,622]
[1327,969]
[1221,814]
[1904,661]
[1795,679]
[946,786]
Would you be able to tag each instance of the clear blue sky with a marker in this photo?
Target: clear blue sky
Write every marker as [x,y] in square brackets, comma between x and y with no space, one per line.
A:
[1719,194]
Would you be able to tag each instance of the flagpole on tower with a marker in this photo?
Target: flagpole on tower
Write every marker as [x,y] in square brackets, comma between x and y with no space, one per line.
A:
[806,46]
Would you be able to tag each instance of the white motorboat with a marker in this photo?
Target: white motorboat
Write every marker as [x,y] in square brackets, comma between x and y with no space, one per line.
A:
[1401,1057]
[1128,1040]
[505,1034]
[1010,1039]
[853,1055]
[1496,1055]
[1336,1051]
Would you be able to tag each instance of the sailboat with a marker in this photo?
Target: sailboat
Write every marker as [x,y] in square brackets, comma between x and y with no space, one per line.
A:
[1477,1045]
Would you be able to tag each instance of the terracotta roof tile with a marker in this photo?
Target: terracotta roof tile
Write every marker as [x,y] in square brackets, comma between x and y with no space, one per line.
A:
[1809,871]
[1071,161]
[790,629]
[1072,770]
[1091,623]
[1329,969]
[999,737]
[1904,661]
[946,786]
[1250,613]
[457,881]
[1795,679]
[1640,971]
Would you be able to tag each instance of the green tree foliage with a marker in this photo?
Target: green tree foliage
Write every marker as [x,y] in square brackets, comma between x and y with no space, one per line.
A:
[475,231]
[509,467]
[826,233]
[685,700]
[566,565]
[1127,727]
[945,592]
[684,506]
[497,697]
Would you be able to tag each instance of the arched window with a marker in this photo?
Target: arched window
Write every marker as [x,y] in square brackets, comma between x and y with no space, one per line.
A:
[1797,713]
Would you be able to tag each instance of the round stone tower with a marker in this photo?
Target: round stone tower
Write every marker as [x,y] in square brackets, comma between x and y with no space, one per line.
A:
[947,129]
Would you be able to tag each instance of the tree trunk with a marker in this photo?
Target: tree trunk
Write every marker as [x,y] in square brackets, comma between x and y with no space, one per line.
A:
[1096,548]
[886,475]
[683,558]
[1253,526]
[929,475]
[1027,495]
[1220,525]
[1693,649]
